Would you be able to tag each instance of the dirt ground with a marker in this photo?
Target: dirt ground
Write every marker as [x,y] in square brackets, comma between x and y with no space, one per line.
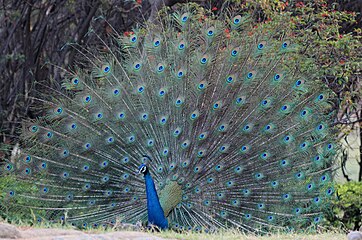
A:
[25,233]
[10,232]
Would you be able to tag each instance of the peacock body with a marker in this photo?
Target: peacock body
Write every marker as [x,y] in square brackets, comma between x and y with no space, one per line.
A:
[224,123]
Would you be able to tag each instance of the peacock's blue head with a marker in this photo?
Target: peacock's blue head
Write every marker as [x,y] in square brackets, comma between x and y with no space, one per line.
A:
[143,169]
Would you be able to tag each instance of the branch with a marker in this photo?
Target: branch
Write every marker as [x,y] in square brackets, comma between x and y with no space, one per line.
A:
[343,165]
[84,28]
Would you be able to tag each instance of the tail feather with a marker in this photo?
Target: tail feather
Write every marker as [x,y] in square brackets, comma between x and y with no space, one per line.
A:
[227,112]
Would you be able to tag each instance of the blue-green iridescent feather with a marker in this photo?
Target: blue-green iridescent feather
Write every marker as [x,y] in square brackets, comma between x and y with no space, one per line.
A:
[239,132]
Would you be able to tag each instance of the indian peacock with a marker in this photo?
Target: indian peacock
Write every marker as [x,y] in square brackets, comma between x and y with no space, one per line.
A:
[192,122]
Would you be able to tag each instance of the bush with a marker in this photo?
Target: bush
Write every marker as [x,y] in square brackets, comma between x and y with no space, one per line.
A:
[347,208]
[11,210]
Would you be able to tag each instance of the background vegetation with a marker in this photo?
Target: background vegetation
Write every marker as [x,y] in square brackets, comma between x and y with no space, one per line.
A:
[34,37]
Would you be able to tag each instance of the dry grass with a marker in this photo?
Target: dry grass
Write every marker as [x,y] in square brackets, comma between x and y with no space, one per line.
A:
[230,235]
[324,234]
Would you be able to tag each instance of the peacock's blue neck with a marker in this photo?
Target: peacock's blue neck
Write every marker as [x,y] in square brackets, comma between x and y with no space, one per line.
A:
[155,212]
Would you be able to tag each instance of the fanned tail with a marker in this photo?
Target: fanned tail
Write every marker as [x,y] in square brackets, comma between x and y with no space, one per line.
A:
[230,114]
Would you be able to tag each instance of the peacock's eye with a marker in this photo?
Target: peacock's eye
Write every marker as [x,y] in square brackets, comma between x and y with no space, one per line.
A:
[75,81]
[133,38]
[106,69]
[184,18]
[237,19]
[116,92]
[157,43]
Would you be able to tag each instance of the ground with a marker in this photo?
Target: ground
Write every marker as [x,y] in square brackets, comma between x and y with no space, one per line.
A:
[28,233]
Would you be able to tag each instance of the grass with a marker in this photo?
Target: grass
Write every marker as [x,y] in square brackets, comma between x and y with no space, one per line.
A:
[330,234]
[234,235]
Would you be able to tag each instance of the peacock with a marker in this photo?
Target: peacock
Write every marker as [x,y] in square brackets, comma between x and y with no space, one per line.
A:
[194,121]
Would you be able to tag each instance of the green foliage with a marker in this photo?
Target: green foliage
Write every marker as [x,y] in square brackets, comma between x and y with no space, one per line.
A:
[350,194]
[322,36]
[347,209]
[9,207]
[319,29]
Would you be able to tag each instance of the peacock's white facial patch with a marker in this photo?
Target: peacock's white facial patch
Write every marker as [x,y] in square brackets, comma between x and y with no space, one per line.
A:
[143,169]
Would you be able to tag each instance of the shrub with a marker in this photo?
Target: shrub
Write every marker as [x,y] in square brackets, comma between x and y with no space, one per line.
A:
[347,208]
